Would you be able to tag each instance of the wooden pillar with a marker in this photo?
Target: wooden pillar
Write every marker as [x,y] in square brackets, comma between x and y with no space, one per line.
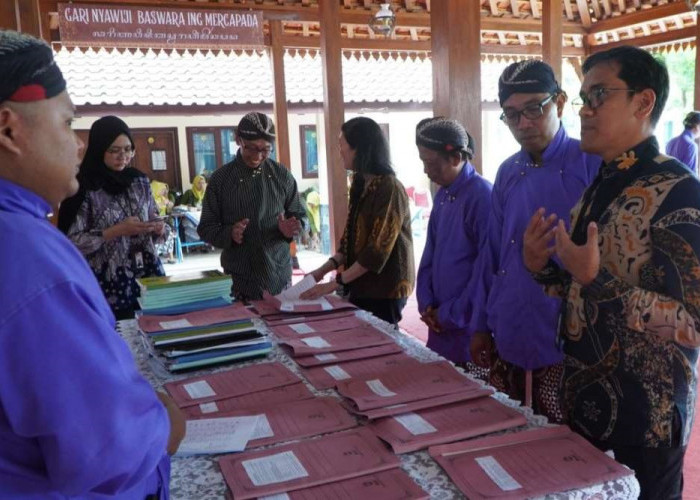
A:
[456,56]
[27,16]
[697,64]
[334,116]
[280,105]
[552,35]
[9,15]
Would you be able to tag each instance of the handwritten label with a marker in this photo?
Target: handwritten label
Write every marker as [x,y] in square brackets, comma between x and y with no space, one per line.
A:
[172,325]
[209,407]
[337,372]
[497,473]
[316,342]
[326,357]
[198,390]
[302,328]
[415,424]
[276,468]
[379,389]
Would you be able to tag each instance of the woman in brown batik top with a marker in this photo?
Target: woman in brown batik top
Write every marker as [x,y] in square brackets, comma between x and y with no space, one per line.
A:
[376,250]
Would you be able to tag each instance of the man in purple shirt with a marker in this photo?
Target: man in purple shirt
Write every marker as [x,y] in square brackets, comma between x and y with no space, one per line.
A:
[516,323]
[684,147]
[77,420]
[457,226]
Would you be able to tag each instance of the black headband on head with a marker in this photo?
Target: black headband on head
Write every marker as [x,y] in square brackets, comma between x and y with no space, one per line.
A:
[254,126]
[527,77]
[691,119]
[29,72]
[445,135]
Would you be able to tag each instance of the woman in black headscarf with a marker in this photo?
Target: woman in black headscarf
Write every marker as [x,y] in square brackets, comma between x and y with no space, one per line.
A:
[113,219]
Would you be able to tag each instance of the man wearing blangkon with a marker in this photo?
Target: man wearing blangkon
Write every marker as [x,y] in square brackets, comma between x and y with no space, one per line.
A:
[630,276]
[77,420]
[252,210]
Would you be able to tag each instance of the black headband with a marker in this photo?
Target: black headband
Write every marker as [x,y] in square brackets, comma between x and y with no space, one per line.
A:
[255,126]
[527,77]
[29,72]
[443,134]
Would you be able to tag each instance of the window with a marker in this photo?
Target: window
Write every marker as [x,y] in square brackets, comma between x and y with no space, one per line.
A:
[309,151]
[209,148]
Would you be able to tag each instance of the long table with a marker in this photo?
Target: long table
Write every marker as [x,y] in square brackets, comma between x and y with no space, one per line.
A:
[199,477]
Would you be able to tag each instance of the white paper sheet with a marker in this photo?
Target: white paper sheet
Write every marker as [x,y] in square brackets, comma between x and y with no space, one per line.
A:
[302,328]
[497,473]
[172,325]
[216,435]
[316,342]
[379,389]
[415,424]
[276,468]
[199,389]
[209,407]
[326,357]
[262,428]
[337,372]
[293,292]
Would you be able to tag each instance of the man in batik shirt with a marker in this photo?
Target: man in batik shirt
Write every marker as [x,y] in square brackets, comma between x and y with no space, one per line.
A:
[630,276]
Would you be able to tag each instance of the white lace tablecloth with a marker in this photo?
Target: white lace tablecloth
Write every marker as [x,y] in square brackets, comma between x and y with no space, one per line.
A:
[198,478]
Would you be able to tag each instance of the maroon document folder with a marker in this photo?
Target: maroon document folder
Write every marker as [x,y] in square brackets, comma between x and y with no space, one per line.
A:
[306,463]
[296,420]
[283,394]
[343,356]
[325,377]
[231,383]
[296,330]
[366,336]
[393,387]
[234,312]
[393,484]
[526,464]
[417,430]
[474,392]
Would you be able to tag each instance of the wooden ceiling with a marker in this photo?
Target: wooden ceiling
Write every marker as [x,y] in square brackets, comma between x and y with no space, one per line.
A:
[508,27]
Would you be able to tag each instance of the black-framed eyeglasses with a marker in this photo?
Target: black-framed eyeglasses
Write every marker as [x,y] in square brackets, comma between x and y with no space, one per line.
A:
[531,111]
[257,151]
[595,97]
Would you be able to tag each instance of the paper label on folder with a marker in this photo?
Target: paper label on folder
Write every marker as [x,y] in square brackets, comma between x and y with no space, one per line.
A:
[276,468]
[209,407]
[326,357]
[172,325]
[199,389]
[316,342]
[278,496]
[497,473]
[379,389]
[415,424]
[216,435]
[337,372]
[262,428]
[302,328]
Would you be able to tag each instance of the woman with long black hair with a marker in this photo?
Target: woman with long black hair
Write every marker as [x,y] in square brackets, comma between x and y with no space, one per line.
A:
[113,219]
[376,250]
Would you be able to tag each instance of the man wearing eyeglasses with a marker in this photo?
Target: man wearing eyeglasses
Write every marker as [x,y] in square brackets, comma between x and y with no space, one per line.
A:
[252,210]
[629,271]
[515,322]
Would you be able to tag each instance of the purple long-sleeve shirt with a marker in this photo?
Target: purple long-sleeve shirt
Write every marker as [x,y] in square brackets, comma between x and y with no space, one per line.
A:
[456,228]
[684,149]
[507,301]
[76,418]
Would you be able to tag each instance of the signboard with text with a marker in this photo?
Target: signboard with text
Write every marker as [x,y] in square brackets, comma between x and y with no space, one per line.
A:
[157,27]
